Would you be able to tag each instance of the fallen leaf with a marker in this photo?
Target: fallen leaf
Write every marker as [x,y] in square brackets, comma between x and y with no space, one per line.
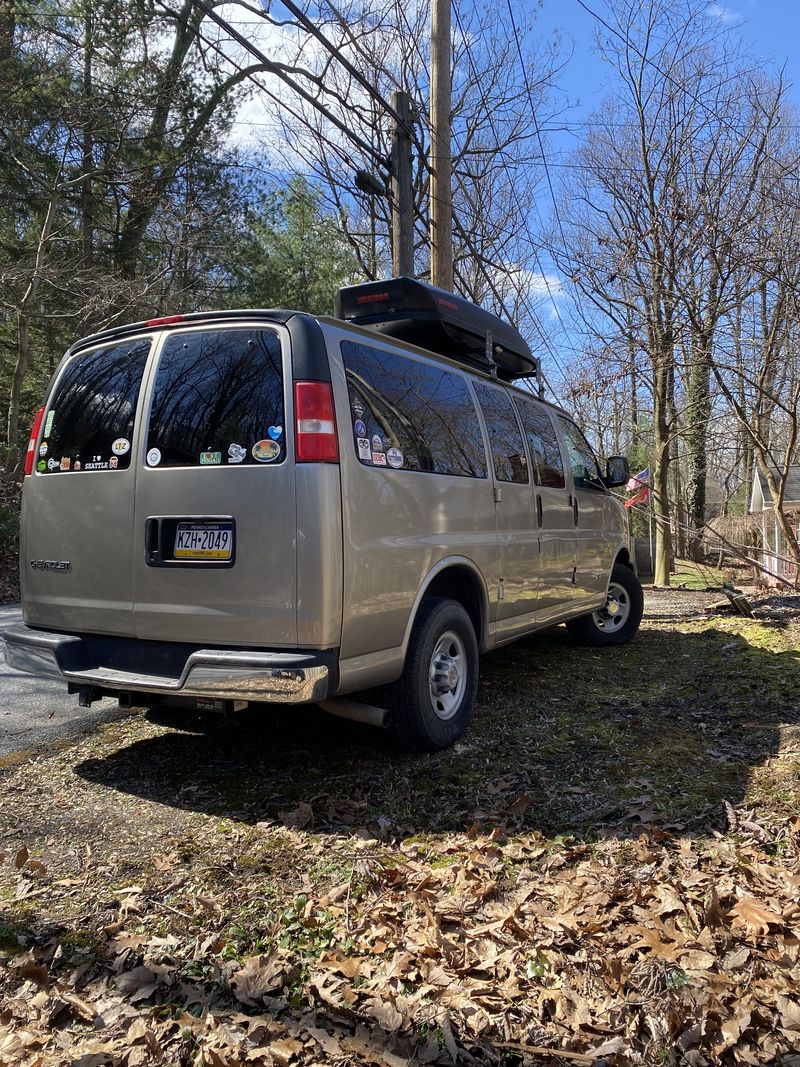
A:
[284,1049]
[136,984]
[790,1012]
[260,975]
[751,915]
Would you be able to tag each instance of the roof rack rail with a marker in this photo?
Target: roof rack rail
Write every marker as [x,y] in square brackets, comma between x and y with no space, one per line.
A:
[413,311]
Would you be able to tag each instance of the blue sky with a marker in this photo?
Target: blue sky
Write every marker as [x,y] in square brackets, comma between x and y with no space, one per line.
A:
[770,32]
[769,28]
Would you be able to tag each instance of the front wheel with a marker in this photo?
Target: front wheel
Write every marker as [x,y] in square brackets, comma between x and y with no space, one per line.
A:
[432,702]
[618,620]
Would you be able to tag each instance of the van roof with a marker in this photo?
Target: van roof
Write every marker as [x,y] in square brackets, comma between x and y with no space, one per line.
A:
[282,315]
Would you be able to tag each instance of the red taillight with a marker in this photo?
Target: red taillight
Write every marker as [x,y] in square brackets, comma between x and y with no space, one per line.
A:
[165,320]
[314,423]
[30,455]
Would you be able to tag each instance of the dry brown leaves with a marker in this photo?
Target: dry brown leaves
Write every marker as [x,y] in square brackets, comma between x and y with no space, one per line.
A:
[468,948]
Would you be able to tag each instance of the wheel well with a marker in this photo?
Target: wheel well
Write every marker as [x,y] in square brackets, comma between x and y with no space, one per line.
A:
[624,557]
[461,584]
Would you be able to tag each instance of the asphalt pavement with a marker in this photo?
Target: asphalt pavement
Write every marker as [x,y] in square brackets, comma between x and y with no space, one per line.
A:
[35,711]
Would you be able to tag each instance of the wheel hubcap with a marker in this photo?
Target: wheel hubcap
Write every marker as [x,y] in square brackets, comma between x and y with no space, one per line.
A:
[447,675]
[616,611]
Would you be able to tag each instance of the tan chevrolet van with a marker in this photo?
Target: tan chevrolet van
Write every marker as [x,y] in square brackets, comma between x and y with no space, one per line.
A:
[268,506]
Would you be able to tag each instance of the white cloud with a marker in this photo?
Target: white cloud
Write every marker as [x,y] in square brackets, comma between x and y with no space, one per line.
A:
[723,14]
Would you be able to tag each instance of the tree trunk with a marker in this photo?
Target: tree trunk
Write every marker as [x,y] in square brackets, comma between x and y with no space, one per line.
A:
[87,149]
[698,403]
[660,474]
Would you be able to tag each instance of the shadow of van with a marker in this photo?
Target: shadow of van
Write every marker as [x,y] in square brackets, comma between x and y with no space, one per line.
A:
[565,740]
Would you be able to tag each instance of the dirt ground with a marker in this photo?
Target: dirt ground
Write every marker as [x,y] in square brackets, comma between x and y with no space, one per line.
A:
[605,870]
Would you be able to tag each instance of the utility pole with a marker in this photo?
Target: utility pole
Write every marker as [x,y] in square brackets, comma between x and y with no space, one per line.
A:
[402,206]
[441,196]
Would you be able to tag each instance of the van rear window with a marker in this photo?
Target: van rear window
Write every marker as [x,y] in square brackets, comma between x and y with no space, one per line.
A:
[410,415]
[218,400]
[89,422]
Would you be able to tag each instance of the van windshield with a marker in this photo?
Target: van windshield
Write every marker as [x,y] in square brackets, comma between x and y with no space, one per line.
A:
[89,422]
[218,399]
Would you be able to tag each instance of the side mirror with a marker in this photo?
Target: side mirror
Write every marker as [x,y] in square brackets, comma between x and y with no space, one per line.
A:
[617,471]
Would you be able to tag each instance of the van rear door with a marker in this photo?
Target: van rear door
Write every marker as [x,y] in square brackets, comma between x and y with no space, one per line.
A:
[214,543]
[77,529]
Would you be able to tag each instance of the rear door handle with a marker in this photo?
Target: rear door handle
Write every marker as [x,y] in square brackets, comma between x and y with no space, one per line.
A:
[575,510]
[539,509]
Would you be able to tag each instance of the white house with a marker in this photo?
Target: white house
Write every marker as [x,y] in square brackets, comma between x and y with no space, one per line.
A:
[773,546]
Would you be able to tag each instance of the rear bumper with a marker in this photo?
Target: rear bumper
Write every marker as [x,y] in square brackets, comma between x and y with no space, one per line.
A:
[118,665]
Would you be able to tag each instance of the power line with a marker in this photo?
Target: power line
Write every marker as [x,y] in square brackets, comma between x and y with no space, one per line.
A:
[523,217]
[683,88]
[275,68]
[337,53]
[535,123]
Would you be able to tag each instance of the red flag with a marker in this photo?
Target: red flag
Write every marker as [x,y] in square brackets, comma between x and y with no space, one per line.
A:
[642,497]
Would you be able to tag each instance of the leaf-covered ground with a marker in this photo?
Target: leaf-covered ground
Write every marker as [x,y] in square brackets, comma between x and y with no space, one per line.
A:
[604,871]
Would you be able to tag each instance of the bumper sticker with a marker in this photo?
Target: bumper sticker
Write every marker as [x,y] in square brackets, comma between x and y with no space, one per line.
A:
[364,451]
[209,458]
[48,424]
[121,446]
[236,453]
[360,427]
[275,432]
[265,451]
[379,459]
[154,457]
[394,457]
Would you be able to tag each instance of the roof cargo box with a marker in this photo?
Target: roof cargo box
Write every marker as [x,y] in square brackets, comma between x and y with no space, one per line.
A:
[440,321]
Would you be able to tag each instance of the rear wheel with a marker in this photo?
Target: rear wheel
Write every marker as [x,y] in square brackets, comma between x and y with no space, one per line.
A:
[618,620]
[432,702]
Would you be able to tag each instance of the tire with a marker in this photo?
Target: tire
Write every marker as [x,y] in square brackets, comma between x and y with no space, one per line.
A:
[619,619]
[432,702]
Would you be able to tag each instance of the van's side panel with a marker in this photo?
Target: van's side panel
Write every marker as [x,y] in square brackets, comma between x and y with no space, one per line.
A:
[398,524]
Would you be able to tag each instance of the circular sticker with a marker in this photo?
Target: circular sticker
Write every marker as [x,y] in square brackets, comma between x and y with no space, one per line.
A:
[154,457]
[265,451]
[121,446]
[360,428]
[394,457]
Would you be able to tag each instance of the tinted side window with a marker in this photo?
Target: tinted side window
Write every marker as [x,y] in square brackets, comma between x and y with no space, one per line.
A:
[89,422]
[505,440]
[585,471]
[411,415]
[218,399]
[543,443]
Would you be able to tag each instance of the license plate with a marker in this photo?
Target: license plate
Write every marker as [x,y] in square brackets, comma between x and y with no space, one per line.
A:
[204,540]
